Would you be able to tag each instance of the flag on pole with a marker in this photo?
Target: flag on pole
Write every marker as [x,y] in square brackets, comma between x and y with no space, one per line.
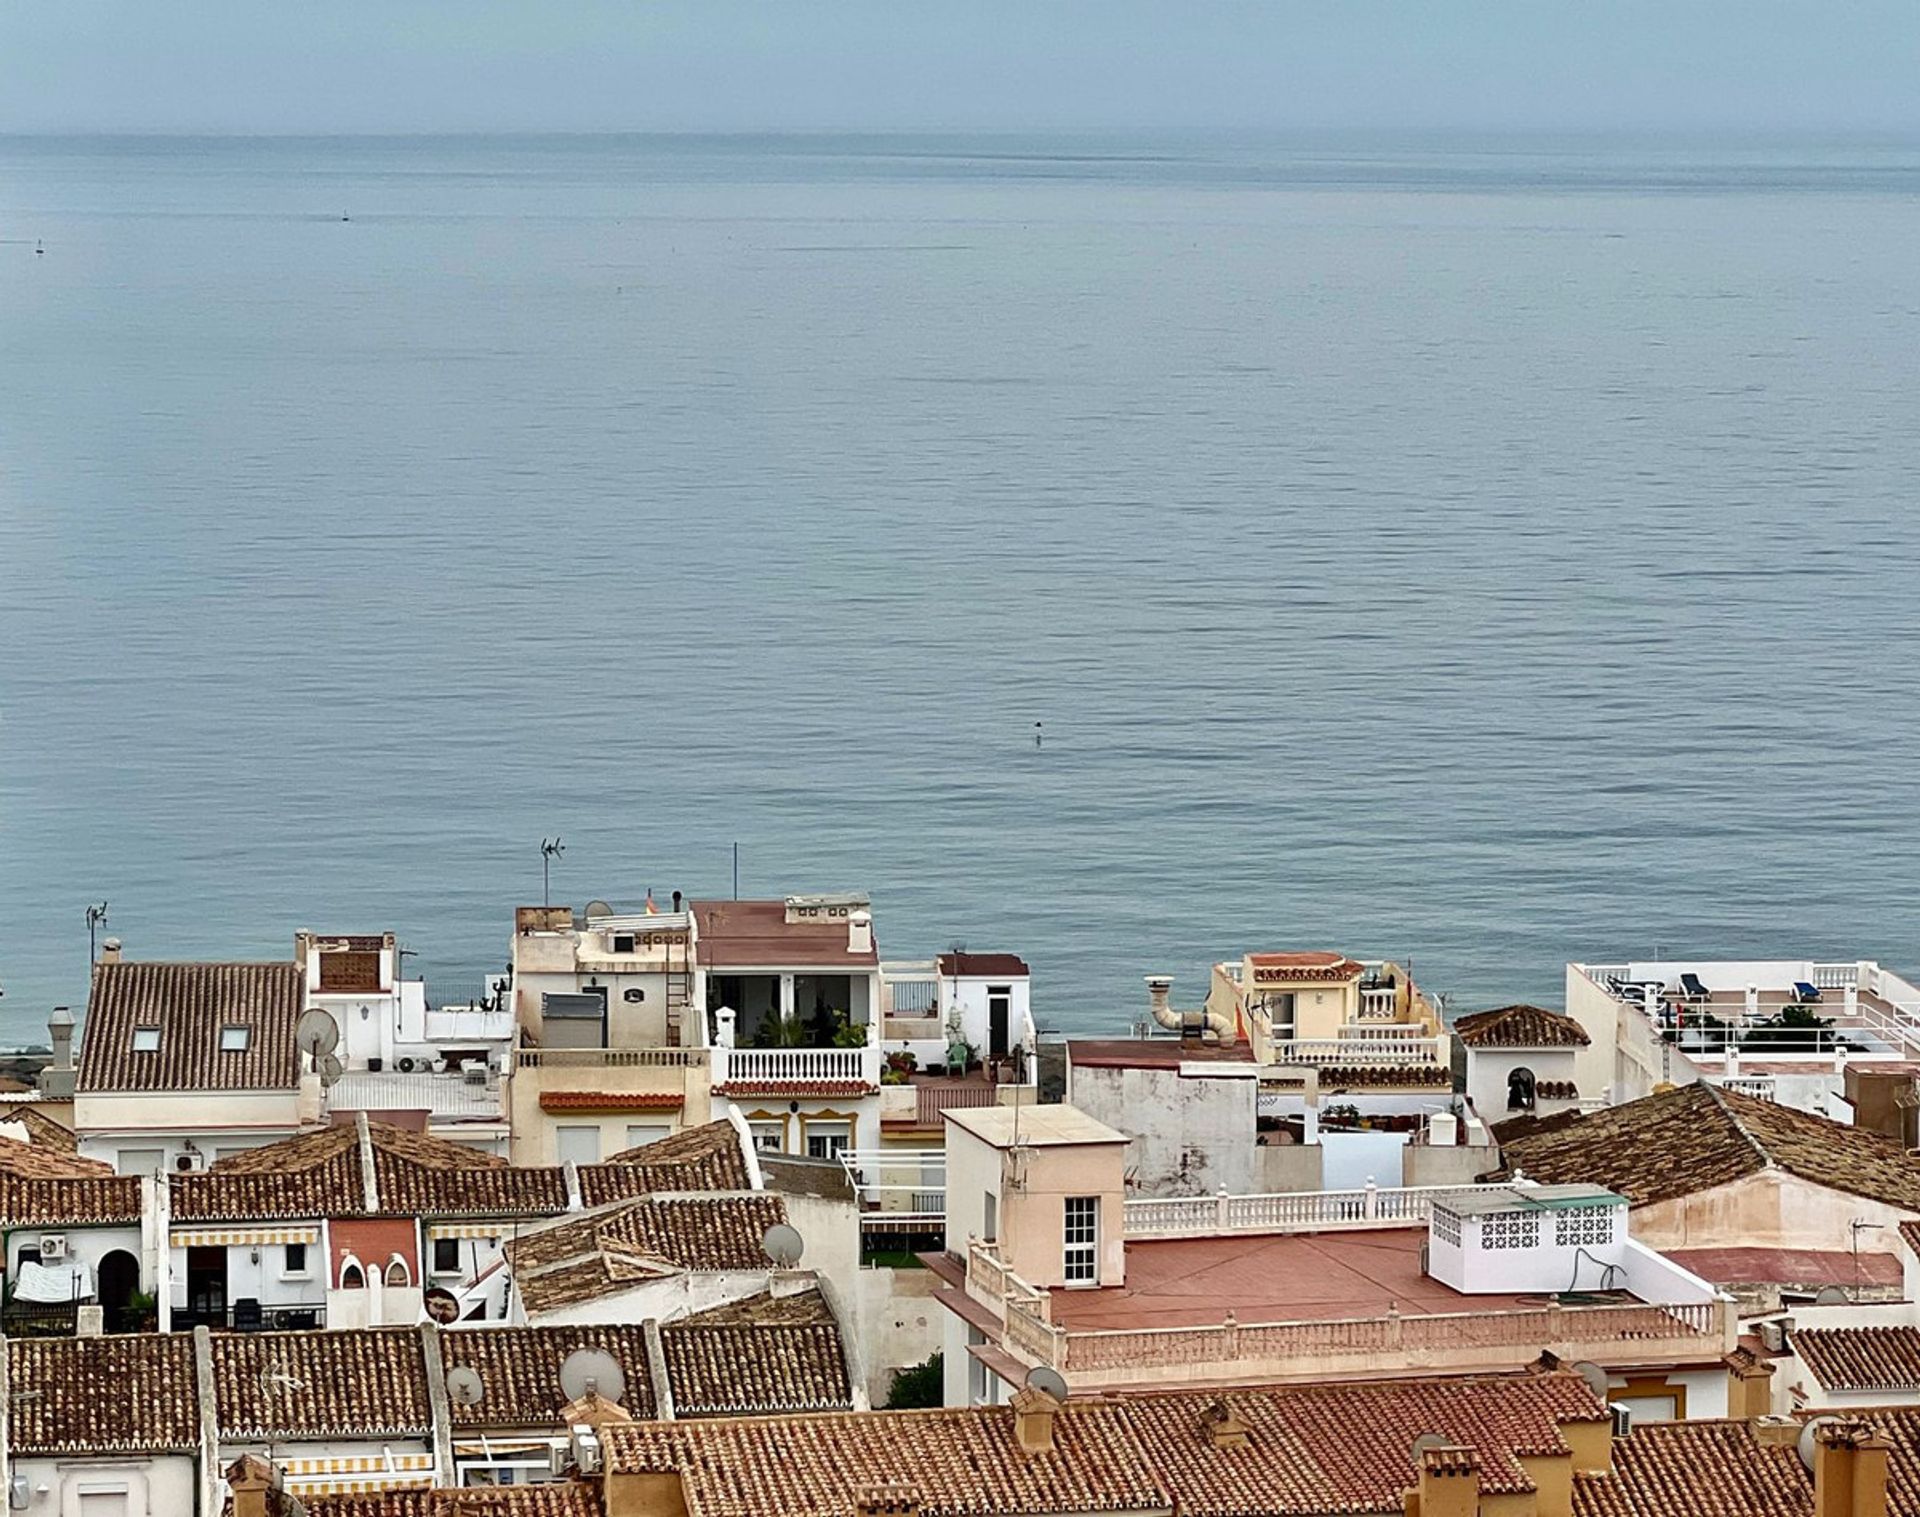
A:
[652,910]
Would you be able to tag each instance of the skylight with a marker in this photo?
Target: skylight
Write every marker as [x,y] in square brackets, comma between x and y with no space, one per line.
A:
[146,1040]
[235,1039]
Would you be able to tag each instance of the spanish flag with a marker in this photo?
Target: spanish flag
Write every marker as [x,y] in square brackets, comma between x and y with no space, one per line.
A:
[652,910]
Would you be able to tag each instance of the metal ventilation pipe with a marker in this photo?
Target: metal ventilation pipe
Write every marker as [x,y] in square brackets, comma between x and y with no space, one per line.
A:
[1159,988]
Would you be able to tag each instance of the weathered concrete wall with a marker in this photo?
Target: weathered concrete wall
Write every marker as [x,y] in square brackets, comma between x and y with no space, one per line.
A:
[1190,1136]
[898,1324]
[1771,1209]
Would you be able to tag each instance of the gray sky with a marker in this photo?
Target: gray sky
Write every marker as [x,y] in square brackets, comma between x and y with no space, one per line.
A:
[1761,66]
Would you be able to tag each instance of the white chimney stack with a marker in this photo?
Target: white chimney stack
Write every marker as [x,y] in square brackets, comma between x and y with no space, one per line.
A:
[860,932]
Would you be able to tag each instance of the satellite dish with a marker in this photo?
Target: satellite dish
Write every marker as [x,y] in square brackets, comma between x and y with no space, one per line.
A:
[331,1069]
[1831,1295]
[1809,1435]
[592,1369]
[633,995]
[465,1385]
[598,909]
[784,1245]
[1043,1378]
[1428,1441]
[1595,1377]
[316,1033]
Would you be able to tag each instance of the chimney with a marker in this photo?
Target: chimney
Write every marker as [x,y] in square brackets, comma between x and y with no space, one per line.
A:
[1749,1391]
[1449,1485]
[860,932]
[1849,1471]
[1033,1414]
[57,1079]
[886,1501]
[252,1482]
[110,951]
[1223,1429]
[676,902]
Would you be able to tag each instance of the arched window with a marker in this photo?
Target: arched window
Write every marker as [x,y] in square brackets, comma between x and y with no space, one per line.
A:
[352,1277]
[1520,1085]
[397,1272]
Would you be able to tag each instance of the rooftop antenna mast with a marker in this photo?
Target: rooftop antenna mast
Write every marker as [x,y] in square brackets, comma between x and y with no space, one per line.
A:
[96,917]
[550,849]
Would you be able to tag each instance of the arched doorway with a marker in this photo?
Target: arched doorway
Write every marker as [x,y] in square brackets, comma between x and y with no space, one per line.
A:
[119,1278]
[1520,1088]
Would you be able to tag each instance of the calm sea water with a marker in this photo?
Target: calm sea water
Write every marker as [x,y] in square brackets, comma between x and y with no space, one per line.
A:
[1493,553]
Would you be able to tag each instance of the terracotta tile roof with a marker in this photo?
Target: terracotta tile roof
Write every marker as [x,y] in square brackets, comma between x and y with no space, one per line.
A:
[553,1499]
[1337,1078]
[1520,1026]
[1307,1450]
[520,1369]
[1807,1267]
[1152,1053]
[757,935]
[1697,1469]
[343,1383]
[102,1395]
[795,1088]
[1680,1142]
[41,1128]
[765,1354]
[320,1174]
[69,1202]
[190,1004]
[640,1240]
[1314,965]
[981,965]
[707,1157]
[1347,1448]
[958,1461]
[1910,1235]
[1861,1358]
[611,1100]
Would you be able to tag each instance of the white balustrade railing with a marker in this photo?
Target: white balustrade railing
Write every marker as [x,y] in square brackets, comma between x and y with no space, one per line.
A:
[609,1058]
[1834,976]
[1309,1211]
[736,1066]
[1378,1005]
[1340,1051]
[1382,1032]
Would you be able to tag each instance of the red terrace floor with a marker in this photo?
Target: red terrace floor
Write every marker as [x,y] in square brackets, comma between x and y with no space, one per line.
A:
[1786,1266]
[1295,1277]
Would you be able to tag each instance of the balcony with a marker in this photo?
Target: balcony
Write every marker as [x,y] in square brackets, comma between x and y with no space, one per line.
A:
[1349,1052]
[832,1069]
[610,1058]
[444,1097]
[1291,1211]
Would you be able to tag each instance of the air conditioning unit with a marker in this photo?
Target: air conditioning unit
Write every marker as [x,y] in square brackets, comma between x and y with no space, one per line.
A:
[474,1074]
[1622,1419]
[1773,1336]
[586,1451]
[52,1246]
[406,1066]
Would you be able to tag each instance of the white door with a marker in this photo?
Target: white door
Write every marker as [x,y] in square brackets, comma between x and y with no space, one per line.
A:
[579,1145]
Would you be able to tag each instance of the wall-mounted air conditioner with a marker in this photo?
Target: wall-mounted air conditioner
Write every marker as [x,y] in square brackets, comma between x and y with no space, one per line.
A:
[53,1247]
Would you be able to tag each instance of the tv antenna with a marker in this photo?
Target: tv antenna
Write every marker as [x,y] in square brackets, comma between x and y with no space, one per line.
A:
[550,849]
[592,1370]
[96,918]
[465,1386]
[783,1245]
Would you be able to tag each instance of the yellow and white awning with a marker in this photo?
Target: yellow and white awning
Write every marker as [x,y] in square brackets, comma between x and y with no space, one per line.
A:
[240,1237]
[359,1464]
[472,1229]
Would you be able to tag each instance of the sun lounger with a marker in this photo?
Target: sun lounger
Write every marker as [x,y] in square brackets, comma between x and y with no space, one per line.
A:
[1695,990]
[1805,991]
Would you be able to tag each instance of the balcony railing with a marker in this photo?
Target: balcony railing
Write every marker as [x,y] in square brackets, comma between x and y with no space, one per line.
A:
[1346,1051]
[610,1058]
[740,1066]
[444,1096]
[1379,1005]
[1291,1211]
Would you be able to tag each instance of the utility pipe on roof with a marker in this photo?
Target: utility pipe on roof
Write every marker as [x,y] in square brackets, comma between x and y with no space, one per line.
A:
[1158,988]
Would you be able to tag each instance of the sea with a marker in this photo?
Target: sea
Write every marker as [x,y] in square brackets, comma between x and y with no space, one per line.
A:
[1129,553]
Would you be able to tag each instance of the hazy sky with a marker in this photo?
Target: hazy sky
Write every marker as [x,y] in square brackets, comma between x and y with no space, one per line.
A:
[1105,65]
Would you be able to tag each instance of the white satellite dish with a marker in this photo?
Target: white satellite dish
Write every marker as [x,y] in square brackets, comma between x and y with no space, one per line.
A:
[1595,1377]
[331,1069]
[784,1245]
[465,1385]
[1809,1436]
[592,1369]
[316,1033]
[597,909]
[1043,1378]
[1831,1295]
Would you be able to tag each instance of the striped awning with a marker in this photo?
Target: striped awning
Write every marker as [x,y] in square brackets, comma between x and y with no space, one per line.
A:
[359,1464]
[241,1237]
[469,1229]
[418,1481]
[488,1448]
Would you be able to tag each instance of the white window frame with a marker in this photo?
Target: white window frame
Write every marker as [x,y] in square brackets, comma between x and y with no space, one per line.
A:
[433,1257]
[764,1128]
[305,1271]
[1080,1240]
[146,1040]
[826,1131]
[245,1037]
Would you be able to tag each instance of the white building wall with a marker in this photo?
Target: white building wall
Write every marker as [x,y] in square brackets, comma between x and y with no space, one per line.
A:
[1189,1136]
[161,1485]
[1489,1069]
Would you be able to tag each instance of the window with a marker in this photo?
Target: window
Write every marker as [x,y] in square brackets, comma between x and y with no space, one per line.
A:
[1081,1264]
[446,1256]
[990,1219]
[398,1274]
[769,1137]
[352,1278]
[296,1260]
[828,1140]
[146,1040]
[623,942]
[578,1145]
[641,1134]
[235,1039]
